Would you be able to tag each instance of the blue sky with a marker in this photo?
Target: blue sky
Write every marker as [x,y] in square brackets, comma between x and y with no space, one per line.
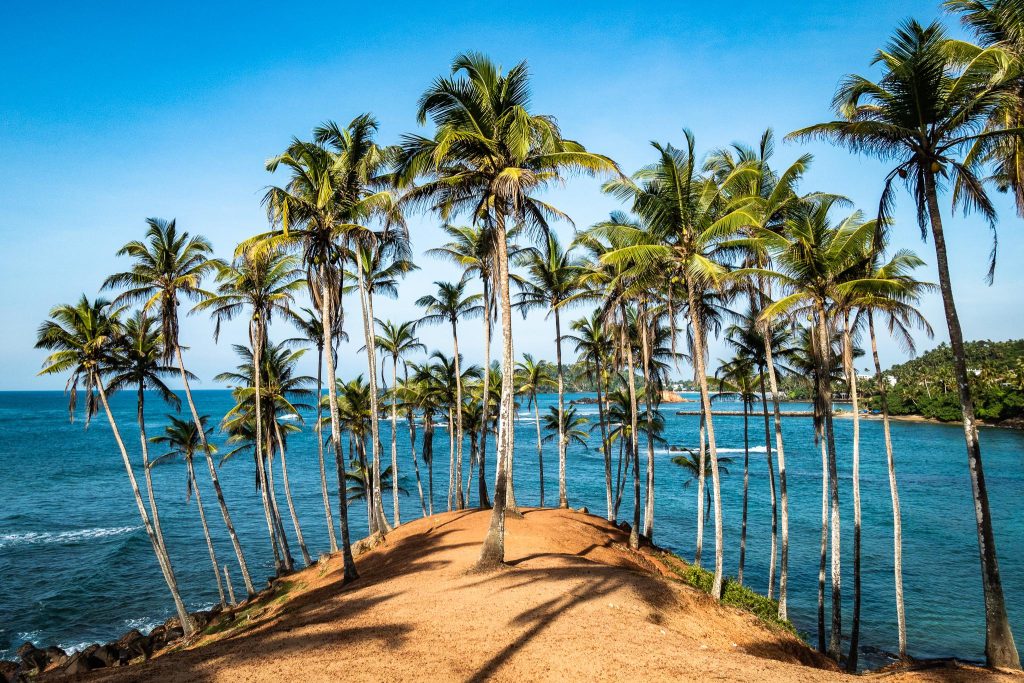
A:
[113,112]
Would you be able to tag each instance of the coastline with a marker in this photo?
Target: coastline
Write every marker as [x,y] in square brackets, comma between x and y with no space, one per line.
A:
[1014,424]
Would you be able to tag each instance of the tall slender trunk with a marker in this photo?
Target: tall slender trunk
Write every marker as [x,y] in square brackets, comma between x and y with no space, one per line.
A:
[540,449]
[605,446]
[318,429]
[485,401]
[327,322]
[451,458]
[428,456]
[165,568]
[397,516]
[823,554]
[835,645]
[286,551]
[261,477]
[277,535]
[206,529]
[634,450]
[746,482]
[851,378]
[460,503]
[141,416]
[784,555]
[648,392]
[705,398]
[702,464]
[771,487]
[897,521]
[288,495]
[366,299]
[213,473]
[1000,649]
[412,444]
[563,440]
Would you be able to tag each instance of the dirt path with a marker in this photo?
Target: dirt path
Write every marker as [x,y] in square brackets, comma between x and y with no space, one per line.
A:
[574,604]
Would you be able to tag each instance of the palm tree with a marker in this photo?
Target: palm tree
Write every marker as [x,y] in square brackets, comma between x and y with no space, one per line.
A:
[737,377]
[449,305]
[593,347]
[489,158]
[685,220]
[472,248]
[138,361]
[360,482]
[264,281]
[552,277]
[169,265]
[532,378]
[813,258]
[397,341]
[690,462]
[928,106]
[428,396]
[181,440]
[570,423]
[308,323]
[81,337]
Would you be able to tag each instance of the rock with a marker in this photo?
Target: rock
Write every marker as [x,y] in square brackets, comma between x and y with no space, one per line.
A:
[625,526]
[55,656]
[133,645]
[8,671]
[77,664]
[583,510]
[201,619]
[157,638]
[33,660]
[109,655]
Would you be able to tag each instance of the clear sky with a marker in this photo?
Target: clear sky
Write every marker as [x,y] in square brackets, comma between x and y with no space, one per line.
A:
[113,112]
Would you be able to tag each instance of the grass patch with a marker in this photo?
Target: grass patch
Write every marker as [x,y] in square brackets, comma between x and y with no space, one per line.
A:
[241,620]
[734,594]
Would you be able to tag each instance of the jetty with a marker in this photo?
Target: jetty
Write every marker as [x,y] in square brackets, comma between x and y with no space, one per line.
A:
[785,413]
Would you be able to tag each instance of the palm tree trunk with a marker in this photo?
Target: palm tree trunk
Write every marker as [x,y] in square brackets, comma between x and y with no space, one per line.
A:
[288,496]
[277,538]
[332,399]
[634,450]
[286,551]
[605,446]
[492,554]
[141,416]
[451,459]
[746,482]
[261,477]
[318,429]
[825,392]
[897,520]
[563,440]
[165,568]
[415,463]
[1000,649]
[213,474]
[366,299]
[823,555]
[648,390]
[206,529]
[702,463]
[851,375]
[485,401]
[397,515]
[460,503]
[771,487]
[784,555]
[540,448]
[428,455]
[698,341]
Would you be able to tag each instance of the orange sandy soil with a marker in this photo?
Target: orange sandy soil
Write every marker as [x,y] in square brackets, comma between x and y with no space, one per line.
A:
[574,604]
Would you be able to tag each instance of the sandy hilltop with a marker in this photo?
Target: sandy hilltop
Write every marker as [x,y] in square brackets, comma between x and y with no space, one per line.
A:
[575,603]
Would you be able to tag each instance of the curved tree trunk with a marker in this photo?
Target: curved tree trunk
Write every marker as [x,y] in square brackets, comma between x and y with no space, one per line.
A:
[784,555]
[563,440]
[746,483]
[165,568]
[771,487]
[320,447]
[213,474]
[1000,649]
[851,378]
[460,503]
[332,398]
[897,520]
[485,401]
[702,378]
[288,496]
[206,529]
[835,646]
[264,486]
[540,448]
[648,391]
[286,551]
[380,522]
[141,415]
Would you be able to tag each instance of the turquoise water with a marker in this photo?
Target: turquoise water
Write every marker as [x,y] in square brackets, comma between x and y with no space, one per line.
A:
[76,567]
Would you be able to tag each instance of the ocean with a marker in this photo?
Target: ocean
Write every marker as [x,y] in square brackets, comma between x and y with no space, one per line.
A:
[76,566]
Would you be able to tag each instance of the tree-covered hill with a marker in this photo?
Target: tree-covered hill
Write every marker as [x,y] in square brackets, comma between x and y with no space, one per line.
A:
[926,385]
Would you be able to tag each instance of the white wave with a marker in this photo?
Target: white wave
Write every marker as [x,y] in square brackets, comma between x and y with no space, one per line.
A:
[47,537]
[290,416]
